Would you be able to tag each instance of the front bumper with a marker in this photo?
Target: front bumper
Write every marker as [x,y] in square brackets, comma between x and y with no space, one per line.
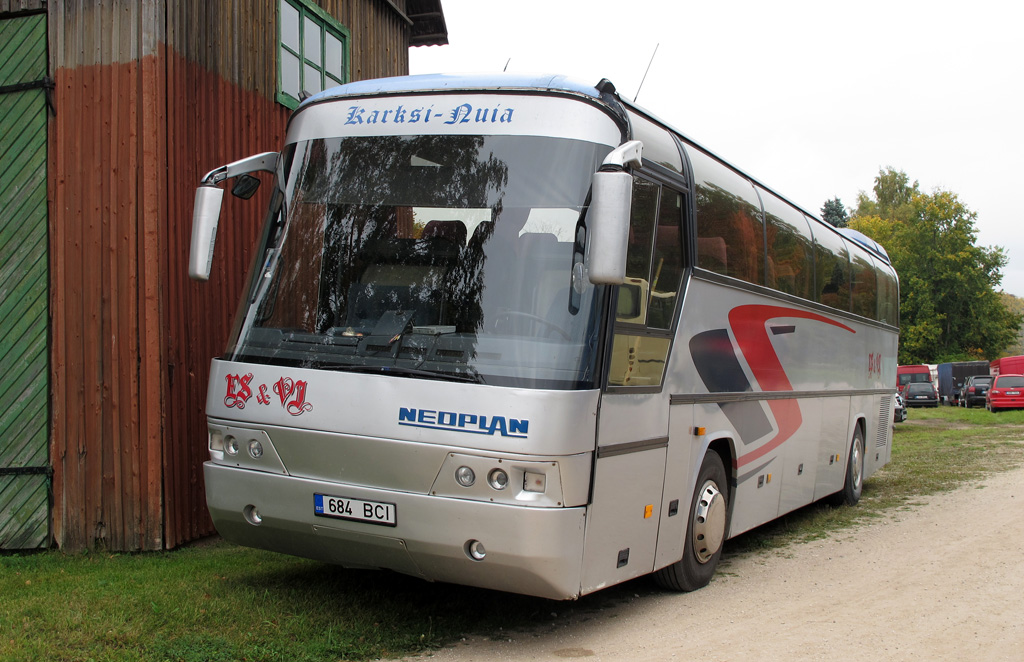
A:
[530,550]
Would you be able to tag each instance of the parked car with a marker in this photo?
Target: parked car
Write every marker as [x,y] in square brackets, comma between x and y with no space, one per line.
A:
[908,374]
[1007,392]
[899,413]
[975,389]
[921,394]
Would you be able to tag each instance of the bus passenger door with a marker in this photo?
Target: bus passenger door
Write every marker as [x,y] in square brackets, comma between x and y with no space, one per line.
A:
[626,506]
[633,444]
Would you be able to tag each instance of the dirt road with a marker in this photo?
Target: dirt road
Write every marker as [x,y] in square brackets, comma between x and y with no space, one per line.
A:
[943,580]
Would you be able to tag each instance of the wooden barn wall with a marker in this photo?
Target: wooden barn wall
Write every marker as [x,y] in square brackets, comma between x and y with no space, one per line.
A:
[107,212]
[21,6]
[211,123]
[221,108]
[151,95]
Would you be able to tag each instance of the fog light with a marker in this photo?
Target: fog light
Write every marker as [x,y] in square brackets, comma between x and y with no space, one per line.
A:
[476,550]
[231,445]
[464,476]
[497,479]
[255,449]
[252,515]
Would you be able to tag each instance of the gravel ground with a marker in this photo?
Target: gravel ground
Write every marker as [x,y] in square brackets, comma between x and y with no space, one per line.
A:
[941,580]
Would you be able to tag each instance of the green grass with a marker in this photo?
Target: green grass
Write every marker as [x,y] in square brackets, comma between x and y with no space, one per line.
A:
[216,601]
[222,602]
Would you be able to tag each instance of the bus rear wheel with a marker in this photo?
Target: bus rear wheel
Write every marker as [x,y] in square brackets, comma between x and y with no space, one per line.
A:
[708,522]
[854,484]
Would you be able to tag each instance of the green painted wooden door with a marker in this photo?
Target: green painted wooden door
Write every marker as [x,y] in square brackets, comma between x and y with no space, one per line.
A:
[24,293]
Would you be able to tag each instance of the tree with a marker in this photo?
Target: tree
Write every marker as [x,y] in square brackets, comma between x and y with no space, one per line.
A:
[834,213]
[1015,305]
[949,307]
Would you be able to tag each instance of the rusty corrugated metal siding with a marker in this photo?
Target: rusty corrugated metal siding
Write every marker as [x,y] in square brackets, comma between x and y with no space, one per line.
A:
[196,28]
[108,202]
[200,314]
[151,95]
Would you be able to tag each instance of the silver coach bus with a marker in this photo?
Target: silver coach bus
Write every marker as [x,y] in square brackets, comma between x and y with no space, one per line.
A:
[515,332]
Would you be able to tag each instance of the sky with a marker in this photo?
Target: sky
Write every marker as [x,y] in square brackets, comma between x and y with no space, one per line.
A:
[811,98]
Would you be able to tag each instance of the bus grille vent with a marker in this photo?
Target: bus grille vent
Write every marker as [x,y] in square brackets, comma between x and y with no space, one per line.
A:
[884,417]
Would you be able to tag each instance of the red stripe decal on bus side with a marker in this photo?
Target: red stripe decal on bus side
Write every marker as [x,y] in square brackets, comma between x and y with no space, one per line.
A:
[748,326]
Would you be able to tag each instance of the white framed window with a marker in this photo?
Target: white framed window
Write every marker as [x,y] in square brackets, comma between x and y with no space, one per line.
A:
[312,51]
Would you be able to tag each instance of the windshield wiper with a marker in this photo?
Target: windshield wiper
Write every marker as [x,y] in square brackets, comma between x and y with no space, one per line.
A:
[405,372]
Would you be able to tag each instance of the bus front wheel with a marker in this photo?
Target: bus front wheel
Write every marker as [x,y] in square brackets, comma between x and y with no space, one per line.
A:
[706,527]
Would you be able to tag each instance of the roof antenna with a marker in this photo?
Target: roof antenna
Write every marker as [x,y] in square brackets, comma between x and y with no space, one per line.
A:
[646,70]
[506,65]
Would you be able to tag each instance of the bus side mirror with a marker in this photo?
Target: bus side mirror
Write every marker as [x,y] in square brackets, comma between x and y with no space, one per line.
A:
[206,212]
[205,216]
[608,219]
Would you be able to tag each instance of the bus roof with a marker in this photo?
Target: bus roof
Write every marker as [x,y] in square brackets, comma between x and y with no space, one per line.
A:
[450,82]
[427,83]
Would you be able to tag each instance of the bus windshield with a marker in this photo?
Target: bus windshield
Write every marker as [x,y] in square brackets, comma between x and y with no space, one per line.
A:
[438,257]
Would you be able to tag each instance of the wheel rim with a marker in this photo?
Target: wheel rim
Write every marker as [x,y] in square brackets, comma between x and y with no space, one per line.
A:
[708,525]
[857,464]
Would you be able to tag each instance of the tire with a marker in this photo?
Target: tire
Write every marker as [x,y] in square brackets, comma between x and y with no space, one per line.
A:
[705,532]
[854,484]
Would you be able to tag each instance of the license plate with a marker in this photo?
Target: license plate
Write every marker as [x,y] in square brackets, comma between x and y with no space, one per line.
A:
[921,397]
[1013,393]
[356,510]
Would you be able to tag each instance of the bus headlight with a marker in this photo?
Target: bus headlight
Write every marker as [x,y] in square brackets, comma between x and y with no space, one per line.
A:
[497,479]
[521,481]
[464,476]
[244,448]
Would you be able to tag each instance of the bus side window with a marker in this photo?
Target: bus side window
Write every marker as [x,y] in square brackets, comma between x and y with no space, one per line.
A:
[864,287]
[730,229]
[638,252]
[790,248]
[654,272]
[832,269]
[888,296]
[667,274]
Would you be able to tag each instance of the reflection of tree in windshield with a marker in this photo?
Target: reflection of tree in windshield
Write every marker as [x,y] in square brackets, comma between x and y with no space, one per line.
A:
[429,171]
[406,252]
[368,188]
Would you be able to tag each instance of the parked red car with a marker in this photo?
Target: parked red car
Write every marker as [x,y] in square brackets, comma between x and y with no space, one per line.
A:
[1007,392]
